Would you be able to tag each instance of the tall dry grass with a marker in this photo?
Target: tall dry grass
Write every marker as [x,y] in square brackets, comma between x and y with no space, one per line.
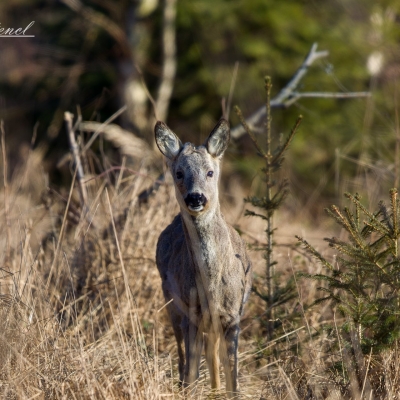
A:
[82,314]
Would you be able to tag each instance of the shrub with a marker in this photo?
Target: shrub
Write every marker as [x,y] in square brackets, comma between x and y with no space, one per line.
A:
[364,281]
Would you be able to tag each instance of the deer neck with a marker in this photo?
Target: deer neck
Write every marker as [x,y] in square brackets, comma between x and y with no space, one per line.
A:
[207,241]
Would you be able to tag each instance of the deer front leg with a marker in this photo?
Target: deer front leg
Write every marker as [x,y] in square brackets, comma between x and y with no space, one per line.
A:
[231,360]
[212,356]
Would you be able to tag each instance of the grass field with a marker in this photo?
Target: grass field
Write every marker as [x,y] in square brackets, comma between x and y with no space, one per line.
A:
[82,313]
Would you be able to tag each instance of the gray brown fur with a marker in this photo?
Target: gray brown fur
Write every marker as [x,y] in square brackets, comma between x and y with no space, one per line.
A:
[202,260]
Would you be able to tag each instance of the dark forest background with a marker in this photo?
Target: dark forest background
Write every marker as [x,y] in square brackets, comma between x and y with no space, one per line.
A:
[95,56]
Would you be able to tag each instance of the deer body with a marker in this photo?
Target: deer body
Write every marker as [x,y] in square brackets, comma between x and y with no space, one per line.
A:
[203,264]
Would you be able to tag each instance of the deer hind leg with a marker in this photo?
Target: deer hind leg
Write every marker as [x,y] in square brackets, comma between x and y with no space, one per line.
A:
[181,355]
[212,357]
[193,347]
[230,360]
[176,321]
[193,341]
[176,324]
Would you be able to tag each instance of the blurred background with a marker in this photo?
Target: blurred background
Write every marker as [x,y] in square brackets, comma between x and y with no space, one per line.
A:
[188,62]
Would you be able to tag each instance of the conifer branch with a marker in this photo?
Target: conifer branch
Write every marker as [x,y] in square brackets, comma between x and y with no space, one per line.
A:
[357,197]
[288,140]
[314,252]
[249,131]
[346,223]
[393,198]
[371,216]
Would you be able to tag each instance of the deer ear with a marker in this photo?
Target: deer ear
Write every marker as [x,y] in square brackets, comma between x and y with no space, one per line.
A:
[218,140]
[168,143]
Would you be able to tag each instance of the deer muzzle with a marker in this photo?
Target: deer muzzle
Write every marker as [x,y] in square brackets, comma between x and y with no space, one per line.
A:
[195,201]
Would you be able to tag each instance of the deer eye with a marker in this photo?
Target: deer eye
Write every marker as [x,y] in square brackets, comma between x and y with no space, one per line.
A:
[179,175]
[210,174]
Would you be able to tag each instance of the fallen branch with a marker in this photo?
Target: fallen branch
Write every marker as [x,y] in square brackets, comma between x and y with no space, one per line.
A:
[288,95]
[127,143]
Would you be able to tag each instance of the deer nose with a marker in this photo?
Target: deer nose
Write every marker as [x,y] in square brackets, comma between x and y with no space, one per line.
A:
[195,200]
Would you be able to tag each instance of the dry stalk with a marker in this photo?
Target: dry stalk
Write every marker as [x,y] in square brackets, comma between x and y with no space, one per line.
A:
[6,195]
[61,235]
[68,117]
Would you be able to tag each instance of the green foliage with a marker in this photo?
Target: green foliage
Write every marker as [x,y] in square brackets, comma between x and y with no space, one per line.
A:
[274,293]
[364,283]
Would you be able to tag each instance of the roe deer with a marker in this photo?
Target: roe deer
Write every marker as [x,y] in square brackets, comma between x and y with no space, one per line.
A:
[204,267]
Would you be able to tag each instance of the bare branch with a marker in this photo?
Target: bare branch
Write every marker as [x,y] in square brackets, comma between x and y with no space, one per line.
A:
[286,92]
[169,62]
[287,96]
[325,95]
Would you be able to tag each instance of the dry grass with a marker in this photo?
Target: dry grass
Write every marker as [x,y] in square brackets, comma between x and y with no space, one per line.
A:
[81,308]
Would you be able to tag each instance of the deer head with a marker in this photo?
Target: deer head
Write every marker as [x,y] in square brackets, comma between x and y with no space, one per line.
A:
[195,170]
